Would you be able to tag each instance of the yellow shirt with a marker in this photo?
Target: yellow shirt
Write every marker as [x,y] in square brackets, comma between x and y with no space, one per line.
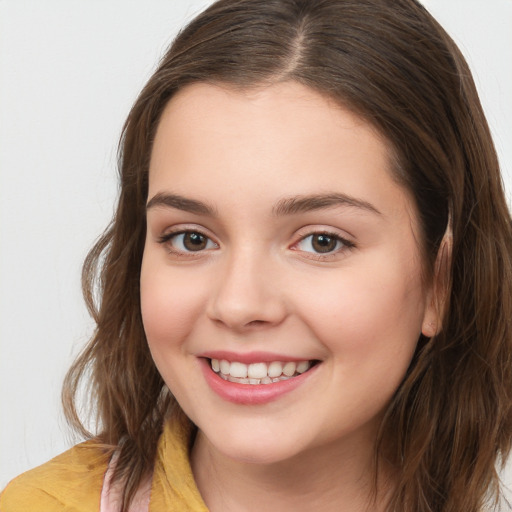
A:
[72,481]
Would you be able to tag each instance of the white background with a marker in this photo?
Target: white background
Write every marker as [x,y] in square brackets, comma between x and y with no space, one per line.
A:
[69,72]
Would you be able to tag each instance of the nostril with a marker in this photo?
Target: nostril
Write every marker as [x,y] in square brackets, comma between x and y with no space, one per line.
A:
[256,323]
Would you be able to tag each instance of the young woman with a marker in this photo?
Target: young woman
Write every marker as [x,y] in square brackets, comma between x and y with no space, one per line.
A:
[305,292]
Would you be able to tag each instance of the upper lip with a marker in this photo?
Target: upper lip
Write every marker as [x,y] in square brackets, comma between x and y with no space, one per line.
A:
[251,357]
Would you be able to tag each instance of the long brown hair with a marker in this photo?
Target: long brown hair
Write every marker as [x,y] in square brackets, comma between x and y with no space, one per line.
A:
[391,63]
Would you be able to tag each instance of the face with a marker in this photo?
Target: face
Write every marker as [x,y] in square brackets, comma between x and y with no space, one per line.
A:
[281,283]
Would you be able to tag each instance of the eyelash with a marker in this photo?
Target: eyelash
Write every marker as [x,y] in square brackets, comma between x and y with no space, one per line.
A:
[168,238]
[346,245]
[342,245]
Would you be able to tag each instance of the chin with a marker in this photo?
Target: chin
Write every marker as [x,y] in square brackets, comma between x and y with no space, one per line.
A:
[264,454]
[258,446]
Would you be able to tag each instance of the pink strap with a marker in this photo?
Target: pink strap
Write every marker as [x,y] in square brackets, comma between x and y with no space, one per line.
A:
[111,495]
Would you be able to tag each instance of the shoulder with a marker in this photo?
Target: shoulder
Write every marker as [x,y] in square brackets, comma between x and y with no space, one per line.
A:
[70,482]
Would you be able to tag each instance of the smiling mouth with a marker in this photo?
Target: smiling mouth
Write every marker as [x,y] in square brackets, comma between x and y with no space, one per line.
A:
[259,373]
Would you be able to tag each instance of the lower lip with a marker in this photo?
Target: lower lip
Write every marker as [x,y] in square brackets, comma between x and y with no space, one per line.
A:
[251,394]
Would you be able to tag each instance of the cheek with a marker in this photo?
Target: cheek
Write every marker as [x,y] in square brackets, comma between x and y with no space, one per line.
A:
[366,315]
[170,305]
[172,302]
[369,324]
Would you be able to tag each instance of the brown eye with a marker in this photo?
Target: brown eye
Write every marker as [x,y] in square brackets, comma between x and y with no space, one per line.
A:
[193,241]
[187,242]
[323,243]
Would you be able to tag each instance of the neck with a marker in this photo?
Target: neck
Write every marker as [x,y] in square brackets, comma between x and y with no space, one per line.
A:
[337,477]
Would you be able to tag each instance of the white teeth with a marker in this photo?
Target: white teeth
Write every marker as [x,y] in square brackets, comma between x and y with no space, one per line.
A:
[237,379]
[275,368]
[258,373]
[225,366]
[257,370]
[289,369]
[303,366]
[239,370]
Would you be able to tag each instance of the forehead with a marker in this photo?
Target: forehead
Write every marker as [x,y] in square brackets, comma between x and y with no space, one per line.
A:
[267,105]
[283,138]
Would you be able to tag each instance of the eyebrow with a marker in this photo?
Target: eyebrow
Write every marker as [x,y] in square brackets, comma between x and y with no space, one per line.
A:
[302,204]
[181,203]
[286,206]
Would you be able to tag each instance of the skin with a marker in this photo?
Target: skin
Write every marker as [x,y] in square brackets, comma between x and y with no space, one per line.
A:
[260,285]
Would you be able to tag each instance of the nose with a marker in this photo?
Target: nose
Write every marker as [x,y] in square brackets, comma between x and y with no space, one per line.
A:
[248,294]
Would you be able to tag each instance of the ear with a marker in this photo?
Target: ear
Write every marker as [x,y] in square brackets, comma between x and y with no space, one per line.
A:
[437,297]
